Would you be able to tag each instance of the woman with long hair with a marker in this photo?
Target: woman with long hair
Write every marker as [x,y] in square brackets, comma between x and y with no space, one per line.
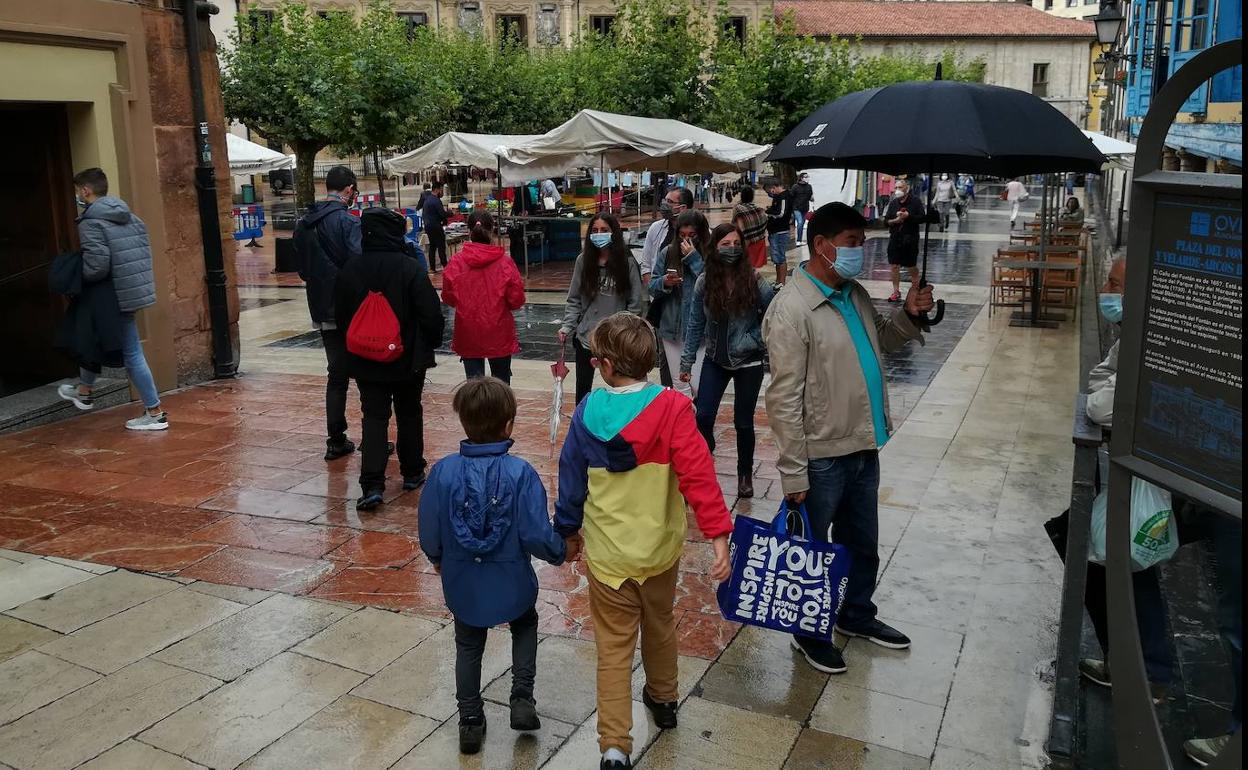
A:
[729,300]
[485,288]
[606,280]
[676,269]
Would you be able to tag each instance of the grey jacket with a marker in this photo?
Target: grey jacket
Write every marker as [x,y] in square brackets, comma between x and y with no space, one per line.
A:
[817,403]
[581,317]
[114,243]
[1102,382]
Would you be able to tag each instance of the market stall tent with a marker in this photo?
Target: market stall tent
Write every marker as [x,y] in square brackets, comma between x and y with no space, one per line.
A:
[487,151]
[248,158]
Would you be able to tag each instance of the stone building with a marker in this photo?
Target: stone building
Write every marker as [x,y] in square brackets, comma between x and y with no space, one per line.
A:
[1021,47]
[103,83]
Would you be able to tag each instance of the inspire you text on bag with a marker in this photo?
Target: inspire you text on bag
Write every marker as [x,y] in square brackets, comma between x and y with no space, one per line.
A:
[788,585]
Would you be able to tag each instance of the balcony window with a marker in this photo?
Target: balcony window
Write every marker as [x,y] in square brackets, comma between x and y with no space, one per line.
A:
[734,26]
[513,28]
[602,25]
[411,21]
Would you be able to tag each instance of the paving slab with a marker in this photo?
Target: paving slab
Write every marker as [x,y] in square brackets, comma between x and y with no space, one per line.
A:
[35,579]
[238,720]
[581,750]
[349,733]
[422,680]
[886,720]
[923,673]
[140,631]
[565,687]
[714,736]
[85,566]
[816,750]
[93,600]
[133,755]
[33,680]
[368,640]
[689,672]
[760,672]
[504,749]
[237,594]
[18,636]
[91,720]
[234,646]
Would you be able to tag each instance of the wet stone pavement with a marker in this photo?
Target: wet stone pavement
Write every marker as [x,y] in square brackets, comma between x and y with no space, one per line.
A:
[208,597]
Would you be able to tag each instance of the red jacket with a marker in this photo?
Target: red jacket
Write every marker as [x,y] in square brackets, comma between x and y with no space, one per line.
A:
[486,279]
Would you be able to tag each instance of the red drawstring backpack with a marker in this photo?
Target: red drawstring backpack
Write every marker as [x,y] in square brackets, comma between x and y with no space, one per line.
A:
[374,331]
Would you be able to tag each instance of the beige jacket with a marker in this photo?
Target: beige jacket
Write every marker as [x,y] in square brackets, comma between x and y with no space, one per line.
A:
[817,402]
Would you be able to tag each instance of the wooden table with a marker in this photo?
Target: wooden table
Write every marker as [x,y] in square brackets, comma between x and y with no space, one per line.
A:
[1034,318]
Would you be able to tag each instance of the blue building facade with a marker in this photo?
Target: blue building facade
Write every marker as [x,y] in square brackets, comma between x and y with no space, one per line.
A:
[1209,129]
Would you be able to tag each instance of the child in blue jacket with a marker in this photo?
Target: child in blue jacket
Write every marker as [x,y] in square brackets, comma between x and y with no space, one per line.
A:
[482,516]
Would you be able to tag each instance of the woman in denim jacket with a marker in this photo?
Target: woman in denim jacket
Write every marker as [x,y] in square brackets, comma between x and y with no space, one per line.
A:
[729,300]
[676,268]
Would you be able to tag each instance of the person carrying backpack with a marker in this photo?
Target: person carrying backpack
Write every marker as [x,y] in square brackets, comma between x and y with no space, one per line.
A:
[326,238]
[393,322]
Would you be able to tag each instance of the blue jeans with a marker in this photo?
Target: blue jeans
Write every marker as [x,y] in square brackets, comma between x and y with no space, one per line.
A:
[136,365]
[843,505]
[799,221]
[779,243]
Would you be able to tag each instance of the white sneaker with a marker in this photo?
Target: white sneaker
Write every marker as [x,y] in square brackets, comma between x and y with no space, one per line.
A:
[69,392]
[149,422]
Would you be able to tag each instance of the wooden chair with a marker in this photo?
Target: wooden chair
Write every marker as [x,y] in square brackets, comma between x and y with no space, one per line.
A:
[1009,287]
[1061,287]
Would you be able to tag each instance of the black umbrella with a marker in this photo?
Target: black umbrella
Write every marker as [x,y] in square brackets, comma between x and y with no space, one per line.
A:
[939,125]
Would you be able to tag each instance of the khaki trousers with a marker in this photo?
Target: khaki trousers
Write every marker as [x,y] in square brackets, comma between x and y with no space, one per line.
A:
[618,614]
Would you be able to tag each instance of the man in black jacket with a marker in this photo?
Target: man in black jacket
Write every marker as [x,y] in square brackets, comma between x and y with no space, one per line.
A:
[326,238]
[803,194]
[385,266]
[778,215]
[433,215]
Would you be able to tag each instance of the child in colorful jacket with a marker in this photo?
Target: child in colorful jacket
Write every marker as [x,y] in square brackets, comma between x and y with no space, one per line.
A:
[632,459]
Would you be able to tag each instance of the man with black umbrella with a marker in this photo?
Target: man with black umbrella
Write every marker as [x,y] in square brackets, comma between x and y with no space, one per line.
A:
[828,409]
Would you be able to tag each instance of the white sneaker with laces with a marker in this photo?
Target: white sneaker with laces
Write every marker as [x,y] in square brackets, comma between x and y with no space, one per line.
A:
[149,422]
[70,392]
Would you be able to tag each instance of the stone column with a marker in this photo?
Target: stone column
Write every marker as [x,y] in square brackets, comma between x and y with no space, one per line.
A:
[1190,162]
[1169,159]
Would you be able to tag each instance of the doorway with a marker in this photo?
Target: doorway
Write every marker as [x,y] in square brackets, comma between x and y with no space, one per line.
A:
[36,224]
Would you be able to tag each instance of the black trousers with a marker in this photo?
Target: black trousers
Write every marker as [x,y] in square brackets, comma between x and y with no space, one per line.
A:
[584,370]
[437,247]
[469,649]
[499,367]
[336,383]
[375,401]
[747,381]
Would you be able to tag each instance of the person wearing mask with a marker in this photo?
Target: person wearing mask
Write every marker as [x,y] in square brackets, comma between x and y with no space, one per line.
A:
[779,214]
[751,220]
[677,201]
[725,323]
[485,288]
[325,240]
[605,280]
[1015,194]
[1072,213]
[433,217]
[828,409]
[904,217]
[384,266]
[946,197]
[116,249]
[803,195]
[676,270]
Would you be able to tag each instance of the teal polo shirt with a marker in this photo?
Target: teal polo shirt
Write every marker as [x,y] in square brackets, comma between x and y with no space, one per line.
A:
[842,300]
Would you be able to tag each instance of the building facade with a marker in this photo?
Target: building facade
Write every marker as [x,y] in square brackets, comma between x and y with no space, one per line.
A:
[1021,47]
[103,83]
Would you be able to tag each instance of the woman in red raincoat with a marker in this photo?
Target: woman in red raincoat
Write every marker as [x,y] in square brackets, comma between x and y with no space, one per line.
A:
[484,286]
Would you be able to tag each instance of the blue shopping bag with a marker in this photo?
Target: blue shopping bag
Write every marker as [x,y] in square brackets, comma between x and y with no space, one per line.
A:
[783,581]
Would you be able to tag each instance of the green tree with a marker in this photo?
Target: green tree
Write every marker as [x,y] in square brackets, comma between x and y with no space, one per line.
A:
[286,80]
[394,100]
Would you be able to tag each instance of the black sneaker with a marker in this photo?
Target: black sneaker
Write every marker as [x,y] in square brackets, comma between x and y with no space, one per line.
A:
[879,633]
[524,715]
[615,764]
[822,656]
[335,449]
[664,713]
[471,735]
[413,482]
[369,500]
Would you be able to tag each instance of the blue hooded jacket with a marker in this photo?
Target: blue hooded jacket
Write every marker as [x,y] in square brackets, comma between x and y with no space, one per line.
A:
[482,516]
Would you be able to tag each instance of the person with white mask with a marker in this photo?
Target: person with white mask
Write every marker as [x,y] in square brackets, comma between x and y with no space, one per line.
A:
[828,409]
[946,196]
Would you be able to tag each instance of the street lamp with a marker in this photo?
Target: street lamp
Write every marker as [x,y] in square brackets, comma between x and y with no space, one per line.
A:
[1108,25]
[1098,66]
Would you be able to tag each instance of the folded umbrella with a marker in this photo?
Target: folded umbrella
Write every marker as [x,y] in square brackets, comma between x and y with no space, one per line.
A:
[560,370]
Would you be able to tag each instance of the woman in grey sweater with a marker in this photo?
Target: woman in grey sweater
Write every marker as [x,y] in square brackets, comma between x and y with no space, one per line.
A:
[606,280]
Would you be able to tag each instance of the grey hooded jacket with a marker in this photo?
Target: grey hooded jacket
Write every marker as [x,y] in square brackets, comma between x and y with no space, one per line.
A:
[114,243]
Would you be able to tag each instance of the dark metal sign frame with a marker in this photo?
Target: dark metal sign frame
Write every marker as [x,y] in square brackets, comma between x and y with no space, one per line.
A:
[1138,734]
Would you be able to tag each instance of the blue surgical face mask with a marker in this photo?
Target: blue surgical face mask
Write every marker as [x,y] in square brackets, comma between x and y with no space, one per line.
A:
[601,240]
[848,264]
[1111,307]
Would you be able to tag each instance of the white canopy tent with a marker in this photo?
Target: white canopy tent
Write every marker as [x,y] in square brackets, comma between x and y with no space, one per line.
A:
[247,158]
[629,143]
[456,148]
[1110,146]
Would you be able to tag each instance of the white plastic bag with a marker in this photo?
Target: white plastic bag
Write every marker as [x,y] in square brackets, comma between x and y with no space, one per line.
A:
[1154,536]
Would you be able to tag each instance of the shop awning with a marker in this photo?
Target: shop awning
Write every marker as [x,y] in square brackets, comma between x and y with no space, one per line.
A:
[1110,146]
[250,158]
